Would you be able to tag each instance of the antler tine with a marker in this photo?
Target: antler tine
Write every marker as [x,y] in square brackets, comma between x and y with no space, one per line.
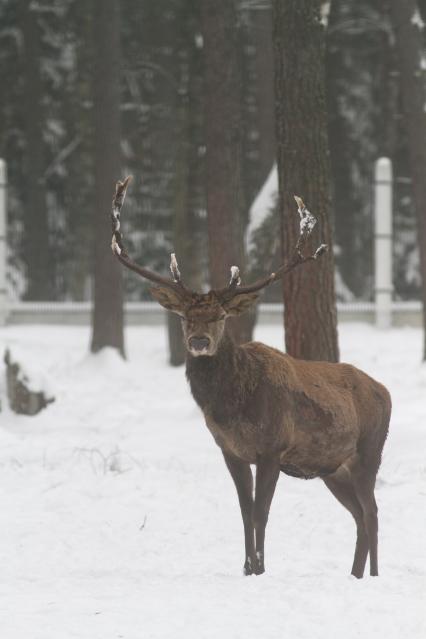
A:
[307,224]
[174,268]
[235,277]
[121,253]
[233,287]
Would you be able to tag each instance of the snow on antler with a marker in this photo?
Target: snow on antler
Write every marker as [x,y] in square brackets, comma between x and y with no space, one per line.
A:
[307,224]
[235,276]
[174,267]
[307,220]
[117,203]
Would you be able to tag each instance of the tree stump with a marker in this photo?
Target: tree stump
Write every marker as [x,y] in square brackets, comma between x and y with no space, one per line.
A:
[23,399]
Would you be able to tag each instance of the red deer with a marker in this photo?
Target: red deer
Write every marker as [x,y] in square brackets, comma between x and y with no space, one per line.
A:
[264,408]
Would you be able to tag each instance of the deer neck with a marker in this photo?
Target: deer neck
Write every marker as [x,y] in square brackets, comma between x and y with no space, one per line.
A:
[219,379]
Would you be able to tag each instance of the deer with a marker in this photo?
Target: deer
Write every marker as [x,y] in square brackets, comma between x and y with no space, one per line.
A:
[266,409]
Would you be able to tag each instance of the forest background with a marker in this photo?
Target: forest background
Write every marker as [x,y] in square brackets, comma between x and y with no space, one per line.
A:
[50,72]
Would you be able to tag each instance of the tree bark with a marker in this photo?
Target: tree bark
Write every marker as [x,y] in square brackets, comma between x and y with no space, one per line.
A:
[223,145]
[183,239]
[310,317]
[187,113]
[39,271]
[412,83]
[108,288]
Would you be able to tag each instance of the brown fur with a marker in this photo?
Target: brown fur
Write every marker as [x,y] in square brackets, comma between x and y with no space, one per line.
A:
[314,415]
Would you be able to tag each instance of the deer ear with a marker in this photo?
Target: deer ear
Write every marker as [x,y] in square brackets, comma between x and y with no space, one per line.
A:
[240,303]
[168,298]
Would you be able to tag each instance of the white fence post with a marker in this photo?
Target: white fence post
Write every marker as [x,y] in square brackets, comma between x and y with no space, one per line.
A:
[3,257]
[383,287]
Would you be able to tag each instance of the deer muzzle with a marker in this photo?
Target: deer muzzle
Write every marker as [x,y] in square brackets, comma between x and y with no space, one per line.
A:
[199,345]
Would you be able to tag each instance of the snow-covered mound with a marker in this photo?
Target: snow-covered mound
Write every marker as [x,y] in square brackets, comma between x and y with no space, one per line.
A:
[119,518]
[31,372]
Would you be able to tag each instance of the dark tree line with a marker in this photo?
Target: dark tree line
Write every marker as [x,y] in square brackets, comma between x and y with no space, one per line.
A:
[47,134]
[191,110]
[46,125]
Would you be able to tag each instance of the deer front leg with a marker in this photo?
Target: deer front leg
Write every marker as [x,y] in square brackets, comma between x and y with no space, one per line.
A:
[243,480]
[267,473]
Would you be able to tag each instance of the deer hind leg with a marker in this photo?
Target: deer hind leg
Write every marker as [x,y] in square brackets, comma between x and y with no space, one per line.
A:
[267,473]
[243,480]
[343,490]
[364,483]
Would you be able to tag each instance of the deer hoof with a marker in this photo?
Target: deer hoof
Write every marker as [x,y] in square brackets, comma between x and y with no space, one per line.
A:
[259,568]
[248,567]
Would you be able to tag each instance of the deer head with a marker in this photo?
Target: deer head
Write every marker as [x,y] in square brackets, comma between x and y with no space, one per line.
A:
[204,314]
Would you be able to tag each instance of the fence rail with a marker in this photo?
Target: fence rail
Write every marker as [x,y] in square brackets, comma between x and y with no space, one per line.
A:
[151,314]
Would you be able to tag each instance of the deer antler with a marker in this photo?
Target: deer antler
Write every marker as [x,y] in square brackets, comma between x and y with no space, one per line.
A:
[121,253]
[307,223]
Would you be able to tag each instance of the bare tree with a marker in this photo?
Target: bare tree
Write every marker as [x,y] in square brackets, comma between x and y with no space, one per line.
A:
[412,82]
[310,317]
[108,309]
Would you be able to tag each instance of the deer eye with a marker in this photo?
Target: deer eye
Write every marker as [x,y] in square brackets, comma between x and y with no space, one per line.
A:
[216,319]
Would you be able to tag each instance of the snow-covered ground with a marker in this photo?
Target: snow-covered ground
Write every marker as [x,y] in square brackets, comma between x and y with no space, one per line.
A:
[118,517]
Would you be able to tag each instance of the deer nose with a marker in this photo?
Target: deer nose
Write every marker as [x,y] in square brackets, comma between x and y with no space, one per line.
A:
[199,343]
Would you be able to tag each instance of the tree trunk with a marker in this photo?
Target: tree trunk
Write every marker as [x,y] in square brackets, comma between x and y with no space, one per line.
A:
[184,224]
[310,317]
[108,288]
[412,82]
[39,271]
[224,145]
[182,237]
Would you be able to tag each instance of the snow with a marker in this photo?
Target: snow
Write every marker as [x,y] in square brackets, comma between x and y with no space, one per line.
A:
[31,373]
[262,205]
[325,12]
[307,220]
[114,245]
[119,518]
[174,267]
[235,275]
[416,19]
[199,40]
